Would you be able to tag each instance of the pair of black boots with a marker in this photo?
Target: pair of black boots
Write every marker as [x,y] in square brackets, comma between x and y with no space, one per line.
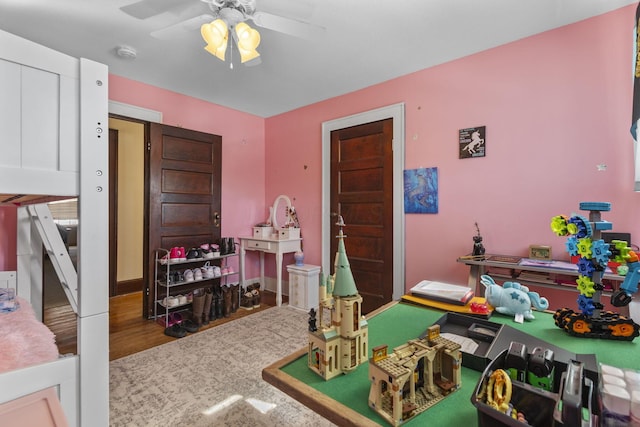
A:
[227,246]
[216,309]
[226,300]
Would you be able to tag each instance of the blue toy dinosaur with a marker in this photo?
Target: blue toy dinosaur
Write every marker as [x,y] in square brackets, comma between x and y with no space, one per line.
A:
[512,298]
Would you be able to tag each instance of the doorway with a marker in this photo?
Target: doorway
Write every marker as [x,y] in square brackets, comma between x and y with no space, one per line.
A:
[396,114]
[127,158]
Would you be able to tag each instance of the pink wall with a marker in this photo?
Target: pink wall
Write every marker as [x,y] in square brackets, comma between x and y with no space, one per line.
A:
[243,136]
[555,105]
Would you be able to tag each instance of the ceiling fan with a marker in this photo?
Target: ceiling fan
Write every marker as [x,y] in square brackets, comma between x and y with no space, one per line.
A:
[217,18]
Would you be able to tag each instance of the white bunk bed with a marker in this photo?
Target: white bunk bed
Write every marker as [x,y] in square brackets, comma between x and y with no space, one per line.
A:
[54,141]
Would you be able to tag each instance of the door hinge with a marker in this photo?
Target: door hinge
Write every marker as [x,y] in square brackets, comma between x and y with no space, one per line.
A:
[148,145]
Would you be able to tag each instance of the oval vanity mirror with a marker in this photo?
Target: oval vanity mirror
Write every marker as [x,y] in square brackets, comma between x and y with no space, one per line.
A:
[280,211]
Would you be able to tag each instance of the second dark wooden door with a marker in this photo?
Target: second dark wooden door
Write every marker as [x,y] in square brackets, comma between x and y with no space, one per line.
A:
[362,192]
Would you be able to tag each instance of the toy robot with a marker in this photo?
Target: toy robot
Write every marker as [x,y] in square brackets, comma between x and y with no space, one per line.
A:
[584,240]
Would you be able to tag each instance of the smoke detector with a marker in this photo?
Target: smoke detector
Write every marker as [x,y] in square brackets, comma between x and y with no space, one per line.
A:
[126,52]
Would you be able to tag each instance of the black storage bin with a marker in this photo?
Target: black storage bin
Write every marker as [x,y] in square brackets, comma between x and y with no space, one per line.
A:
[536,404]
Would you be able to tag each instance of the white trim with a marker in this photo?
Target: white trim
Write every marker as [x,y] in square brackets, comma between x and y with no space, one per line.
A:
[396,112]
[134,112]
[636,186]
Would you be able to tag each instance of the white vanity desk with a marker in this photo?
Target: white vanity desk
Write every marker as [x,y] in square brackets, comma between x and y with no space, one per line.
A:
[279,247]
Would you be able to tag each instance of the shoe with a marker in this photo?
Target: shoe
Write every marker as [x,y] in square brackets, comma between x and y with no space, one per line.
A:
[207,271]
[177,318]
[256,298]
[197,274]
[170,301]
[219,303]
[206,312]
[213,313]
[190,326]
[177,277]
[175,255]
[215,249]
[226,293]
[246,301]
[193,254]
[254,288]
[217,272]
[182,299]
[170,320]
[224,270]
[188,276]
[235,297]
[206,251]
[231,245]
[211,272]
[175,331]
[223,246]
[198,307]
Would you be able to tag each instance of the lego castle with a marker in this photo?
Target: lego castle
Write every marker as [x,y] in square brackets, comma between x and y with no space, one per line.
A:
[338,340]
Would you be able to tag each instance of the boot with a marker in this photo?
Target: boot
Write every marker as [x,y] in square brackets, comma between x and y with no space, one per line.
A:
[235,297]
[198,307]
[231,245]
[214,301]
[208,296]
[226,292]
[219,304]
[255,291]
[256,297]
[246,301]
[224,249]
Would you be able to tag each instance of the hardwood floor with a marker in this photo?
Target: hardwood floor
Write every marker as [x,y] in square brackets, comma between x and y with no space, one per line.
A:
[129,332]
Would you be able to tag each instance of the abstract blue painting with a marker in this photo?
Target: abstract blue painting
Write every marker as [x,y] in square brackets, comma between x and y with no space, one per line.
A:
[421,190]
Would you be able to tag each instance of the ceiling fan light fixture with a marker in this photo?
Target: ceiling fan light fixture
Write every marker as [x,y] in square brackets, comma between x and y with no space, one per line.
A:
[216,35]
[247,39]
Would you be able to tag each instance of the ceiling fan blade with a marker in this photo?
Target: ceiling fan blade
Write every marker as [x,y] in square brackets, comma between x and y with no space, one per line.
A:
[301,10]
[289,26]
[144,9]
[179,29]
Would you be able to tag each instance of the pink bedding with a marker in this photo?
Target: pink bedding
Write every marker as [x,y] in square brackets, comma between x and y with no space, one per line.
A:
[24,341]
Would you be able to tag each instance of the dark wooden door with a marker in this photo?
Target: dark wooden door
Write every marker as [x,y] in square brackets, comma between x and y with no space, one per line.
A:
[184,192]
[362,192]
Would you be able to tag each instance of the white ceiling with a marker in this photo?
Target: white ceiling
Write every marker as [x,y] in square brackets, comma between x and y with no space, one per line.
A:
[365,42]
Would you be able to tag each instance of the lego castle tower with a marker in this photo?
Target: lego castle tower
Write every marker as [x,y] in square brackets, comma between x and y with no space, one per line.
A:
[338,340]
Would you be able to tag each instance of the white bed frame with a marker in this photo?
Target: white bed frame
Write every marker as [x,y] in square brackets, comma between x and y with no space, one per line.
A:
[54,141]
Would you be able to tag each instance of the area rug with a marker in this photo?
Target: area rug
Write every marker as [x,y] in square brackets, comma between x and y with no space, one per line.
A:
[213,377]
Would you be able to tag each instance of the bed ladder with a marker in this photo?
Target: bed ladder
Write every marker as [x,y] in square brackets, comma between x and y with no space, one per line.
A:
[42,219]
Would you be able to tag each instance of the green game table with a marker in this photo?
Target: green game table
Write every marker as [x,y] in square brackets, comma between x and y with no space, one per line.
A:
[343,400]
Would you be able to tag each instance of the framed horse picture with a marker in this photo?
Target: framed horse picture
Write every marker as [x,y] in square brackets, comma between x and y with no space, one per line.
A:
[472,142]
